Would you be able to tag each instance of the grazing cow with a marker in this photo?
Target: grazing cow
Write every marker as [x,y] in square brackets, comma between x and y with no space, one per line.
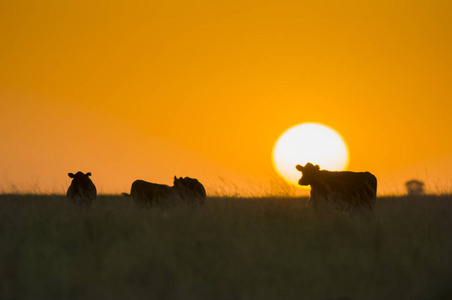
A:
[82,190]
[188,190]
[346,190]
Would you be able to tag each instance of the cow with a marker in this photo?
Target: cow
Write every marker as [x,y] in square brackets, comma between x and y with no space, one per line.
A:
[187,190]
[82,190]
[343,190]
[190,189]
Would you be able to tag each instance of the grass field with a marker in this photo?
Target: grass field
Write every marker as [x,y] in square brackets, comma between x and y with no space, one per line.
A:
[230,248]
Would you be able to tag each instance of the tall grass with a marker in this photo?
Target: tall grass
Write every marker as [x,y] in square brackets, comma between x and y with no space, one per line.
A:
[230,248]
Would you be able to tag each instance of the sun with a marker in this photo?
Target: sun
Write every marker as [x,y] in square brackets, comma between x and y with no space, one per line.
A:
[309,142]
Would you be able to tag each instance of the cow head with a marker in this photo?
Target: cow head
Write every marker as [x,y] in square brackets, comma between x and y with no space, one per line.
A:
[79,175]
[179,182]
[309,172]
[190,188]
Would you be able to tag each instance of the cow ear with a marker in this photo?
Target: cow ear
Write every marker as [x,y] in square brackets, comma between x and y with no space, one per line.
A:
[299,168]
[88,174]
[317,167]
[70,175]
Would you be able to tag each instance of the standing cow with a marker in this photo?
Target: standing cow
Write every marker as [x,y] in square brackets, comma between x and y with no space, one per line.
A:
[346,190]
[82,190]
[187,190]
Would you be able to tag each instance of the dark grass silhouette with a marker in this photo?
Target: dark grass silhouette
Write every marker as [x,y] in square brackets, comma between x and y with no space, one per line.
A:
[229,248]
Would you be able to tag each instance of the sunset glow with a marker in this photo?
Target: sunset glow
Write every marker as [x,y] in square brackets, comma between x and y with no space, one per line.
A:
[157,89]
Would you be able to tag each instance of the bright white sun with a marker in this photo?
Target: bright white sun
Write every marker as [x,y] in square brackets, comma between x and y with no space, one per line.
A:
[309,142]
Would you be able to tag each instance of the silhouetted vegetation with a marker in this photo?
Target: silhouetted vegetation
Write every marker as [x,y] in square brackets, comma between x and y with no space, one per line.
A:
[229,248]
[415,187]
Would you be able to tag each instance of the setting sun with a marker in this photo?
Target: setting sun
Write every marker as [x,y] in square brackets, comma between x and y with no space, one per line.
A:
[309,142]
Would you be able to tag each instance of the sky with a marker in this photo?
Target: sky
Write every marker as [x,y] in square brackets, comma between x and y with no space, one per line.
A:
[153,89]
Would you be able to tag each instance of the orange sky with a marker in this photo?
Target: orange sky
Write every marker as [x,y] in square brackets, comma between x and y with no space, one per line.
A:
[132,90]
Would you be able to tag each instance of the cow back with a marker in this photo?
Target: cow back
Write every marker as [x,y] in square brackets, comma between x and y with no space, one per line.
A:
[143,191]
[356,189]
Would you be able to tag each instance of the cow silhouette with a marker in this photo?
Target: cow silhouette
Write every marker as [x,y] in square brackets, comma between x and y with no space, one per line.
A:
[341,190]
[82,190]
[186,190]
